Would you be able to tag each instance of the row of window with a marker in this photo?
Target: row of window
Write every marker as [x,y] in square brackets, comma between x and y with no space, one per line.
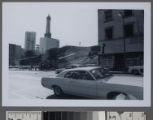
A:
[109,14]
[127,29]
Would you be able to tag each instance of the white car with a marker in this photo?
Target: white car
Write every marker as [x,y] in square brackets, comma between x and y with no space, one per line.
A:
[136,70]
[95,82]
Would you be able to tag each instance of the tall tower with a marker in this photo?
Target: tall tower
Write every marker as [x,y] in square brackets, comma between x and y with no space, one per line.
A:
[48,34]
[47,42]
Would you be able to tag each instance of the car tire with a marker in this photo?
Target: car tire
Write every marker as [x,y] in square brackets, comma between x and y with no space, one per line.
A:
[117,96]
[123,96]
[120,96]
[57,91]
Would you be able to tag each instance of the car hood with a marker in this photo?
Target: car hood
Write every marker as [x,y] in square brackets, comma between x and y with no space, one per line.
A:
[125,80]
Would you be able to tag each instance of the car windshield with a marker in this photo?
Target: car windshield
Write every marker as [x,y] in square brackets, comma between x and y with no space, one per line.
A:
[100,73]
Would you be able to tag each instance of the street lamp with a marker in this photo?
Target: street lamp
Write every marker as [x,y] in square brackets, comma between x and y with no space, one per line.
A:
[124,41]
[103,48]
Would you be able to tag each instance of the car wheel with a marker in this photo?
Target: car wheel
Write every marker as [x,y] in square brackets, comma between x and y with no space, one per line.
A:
[123,96]
[57,91]
[116,96]
[120,96]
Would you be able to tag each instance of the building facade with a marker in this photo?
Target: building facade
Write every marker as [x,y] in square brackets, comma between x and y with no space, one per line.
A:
[121,38]
[30,41]
[47,42]
[15,53]
[37,51]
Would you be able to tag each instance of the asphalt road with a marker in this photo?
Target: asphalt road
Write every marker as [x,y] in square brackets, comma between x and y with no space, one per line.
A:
[27,85]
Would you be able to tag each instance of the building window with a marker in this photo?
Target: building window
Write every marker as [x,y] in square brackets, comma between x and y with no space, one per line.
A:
[108,15]
[128,30]
[127,13]
[109,33]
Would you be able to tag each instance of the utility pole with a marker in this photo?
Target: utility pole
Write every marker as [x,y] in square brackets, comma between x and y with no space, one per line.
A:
[124,41]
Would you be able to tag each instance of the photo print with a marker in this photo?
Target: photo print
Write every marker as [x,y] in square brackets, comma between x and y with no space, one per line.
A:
[76,54]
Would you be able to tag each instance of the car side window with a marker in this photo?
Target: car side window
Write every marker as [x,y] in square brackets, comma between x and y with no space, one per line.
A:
[87,76]
[68,74]
[82,75]
[76,75]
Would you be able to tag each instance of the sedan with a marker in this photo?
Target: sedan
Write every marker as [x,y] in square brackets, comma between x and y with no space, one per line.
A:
[95,82]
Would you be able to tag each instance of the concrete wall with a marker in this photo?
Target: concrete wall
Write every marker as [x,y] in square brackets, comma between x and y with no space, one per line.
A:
[134,44]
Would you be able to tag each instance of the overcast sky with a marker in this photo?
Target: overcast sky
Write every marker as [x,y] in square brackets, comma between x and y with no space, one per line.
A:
[71,23]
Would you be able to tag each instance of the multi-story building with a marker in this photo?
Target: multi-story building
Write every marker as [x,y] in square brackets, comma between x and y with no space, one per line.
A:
[37,51]
[30,41]
[47,42]
[121,38]
[15,53]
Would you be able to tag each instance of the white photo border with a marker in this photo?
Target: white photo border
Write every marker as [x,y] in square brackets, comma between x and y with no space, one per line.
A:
[146,102]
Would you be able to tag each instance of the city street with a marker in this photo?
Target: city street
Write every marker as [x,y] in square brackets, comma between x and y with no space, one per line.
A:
[24,84]
[27,85]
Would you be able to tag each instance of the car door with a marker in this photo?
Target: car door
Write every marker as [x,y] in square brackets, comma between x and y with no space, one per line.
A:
[83,84]
[66,81]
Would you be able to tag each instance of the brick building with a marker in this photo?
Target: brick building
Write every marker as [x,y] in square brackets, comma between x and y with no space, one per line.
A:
[120,37]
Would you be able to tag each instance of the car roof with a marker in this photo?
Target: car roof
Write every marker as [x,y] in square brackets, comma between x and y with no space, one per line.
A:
[83,68]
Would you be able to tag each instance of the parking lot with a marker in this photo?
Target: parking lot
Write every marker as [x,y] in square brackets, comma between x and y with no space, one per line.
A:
[27,84]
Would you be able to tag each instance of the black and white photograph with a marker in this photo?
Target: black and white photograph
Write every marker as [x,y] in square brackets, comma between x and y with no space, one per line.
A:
[76,54]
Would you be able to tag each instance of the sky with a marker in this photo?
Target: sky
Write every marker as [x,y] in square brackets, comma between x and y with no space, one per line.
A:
[71,23]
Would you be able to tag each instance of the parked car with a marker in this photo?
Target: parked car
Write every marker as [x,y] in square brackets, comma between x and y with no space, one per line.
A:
[68,67]
[136,70]
[95,82]
[59,70]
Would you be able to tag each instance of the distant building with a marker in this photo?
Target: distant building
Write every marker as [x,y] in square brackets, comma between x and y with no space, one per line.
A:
[121,38]
[15,53]
[30,41]
[37,51]
[47,42]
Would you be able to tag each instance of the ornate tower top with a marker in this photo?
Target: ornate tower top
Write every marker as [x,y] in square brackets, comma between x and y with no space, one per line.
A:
[48,17]
[48,34]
